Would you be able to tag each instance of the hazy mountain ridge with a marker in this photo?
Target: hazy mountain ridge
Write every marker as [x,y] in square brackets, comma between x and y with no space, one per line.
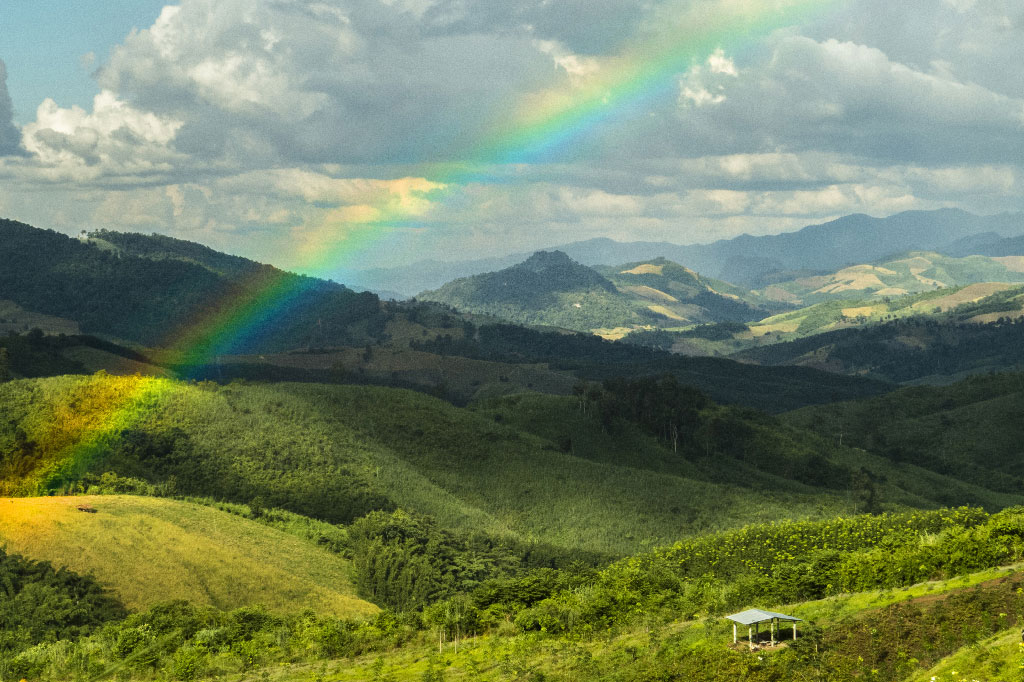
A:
[745,260]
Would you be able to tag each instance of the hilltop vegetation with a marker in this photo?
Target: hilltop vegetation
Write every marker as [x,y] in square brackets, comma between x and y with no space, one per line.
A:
[757,262]
[773,389]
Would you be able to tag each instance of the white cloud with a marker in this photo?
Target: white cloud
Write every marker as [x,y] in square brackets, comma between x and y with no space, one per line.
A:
[114,139]
[259,125]
[719,63]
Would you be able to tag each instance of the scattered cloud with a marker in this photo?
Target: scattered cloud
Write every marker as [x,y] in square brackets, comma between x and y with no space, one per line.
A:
[274,128]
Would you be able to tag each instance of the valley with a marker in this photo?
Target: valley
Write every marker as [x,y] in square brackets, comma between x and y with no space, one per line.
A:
[552,471]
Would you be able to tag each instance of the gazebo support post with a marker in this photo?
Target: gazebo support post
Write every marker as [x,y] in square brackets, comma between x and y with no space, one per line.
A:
[794,630]
[750,638]
[771,626]
[734,633]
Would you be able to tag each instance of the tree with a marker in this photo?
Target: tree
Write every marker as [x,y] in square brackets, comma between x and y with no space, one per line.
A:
[5,366]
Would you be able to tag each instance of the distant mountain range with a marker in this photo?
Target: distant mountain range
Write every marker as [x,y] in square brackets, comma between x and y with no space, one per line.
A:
[749,261]
[550,288]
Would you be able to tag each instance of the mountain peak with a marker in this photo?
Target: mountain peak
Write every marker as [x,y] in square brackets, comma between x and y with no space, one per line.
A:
[542,261]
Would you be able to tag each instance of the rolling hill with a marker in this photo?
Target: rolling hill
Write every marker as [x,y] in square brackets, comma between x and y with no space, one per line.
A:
[916,349]
[893,598]
[532,468]
[912,273]
[148,299]
[147,289]
[149,550]
[969,429]
[549,288]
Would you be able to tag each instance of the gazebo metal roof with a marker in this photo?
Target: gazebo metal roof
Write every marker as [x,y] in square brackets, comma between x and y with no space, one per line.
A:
[751,616]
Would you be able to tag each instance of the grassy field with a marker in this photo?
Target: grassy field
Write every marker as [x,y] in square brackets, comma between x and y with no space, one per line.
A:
[150,550]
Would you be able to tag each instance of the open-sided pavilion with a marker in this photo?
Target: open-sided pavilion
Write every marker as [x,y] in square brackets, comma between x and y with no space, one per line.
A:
[753,618]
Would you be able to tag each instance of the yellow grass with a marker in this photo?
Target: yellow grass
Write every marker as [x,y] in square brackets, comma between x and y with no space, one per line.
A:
[988,318]
[662,310]
[969,294]
[1011,263]
[149,550]
[863,311]
[651,293]
[855,278]
[774,293]
[613,333]
[787,327]
[645,269]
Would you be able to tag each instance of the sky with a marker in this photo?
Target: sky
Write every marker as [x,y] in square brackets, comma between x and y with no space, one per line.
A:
[326,136]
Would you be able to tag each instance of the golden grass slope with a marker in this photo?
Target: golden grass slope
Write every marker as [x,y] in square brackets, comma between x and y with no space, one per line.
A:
[149,550]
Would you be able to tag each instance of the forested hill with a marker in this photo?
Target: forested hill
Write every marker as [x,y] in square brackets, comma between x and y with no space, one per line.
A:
[161,247]
[529,284]
[549,288]
[112,292]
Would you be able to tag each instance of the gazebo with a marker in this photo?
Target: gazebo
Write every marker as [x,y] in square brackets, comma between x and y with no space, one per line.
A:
[754,617]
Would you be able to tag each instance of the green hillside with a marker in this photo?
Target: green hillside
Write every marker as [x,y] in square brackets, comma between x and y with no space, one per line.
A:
[148,300]
[149,550]
[549,288]
[535,468]
[891,597]
[918,349]
[158,247]
[970,430]
[972,304]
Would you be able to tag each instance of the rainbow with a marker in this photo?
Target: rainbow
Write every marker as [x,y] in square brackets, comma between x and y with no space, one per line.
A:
[543,126]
